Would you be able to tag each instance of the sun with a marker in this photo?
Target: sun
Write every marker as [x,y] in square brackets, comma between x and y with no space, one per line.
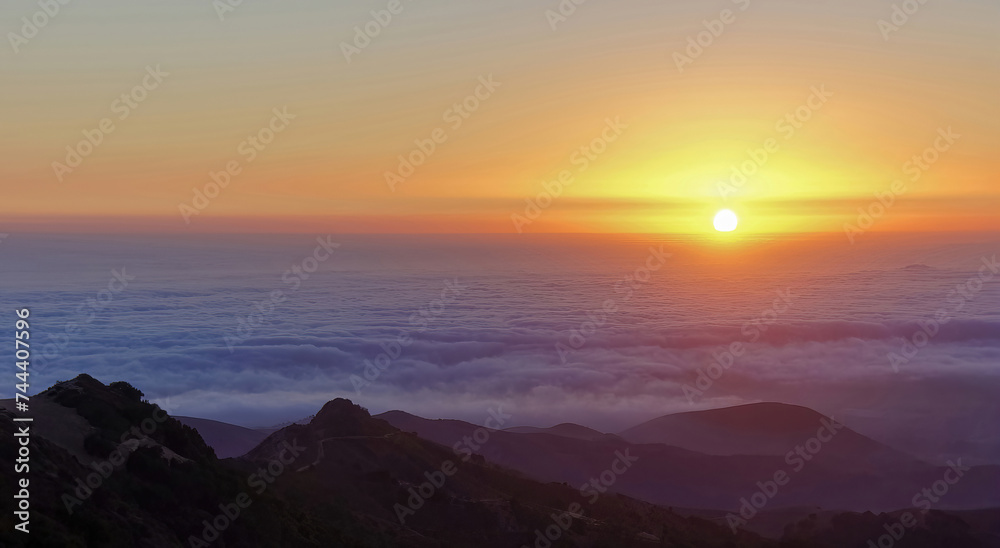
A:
[725,221]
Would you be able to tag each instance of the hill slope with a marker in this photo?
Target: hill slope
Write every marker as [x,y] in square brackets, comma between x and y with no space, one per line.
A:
[566,430]
[340,480]
[848,472]
[757,429]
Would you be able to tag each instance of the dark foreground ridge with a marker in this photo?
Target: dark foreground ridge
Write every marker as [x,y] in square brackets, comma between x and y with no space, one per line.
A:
[109,469]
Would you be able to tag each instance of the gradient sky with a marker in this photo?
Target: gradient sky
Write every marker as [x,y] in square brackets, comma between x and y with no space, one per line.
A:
[558,86]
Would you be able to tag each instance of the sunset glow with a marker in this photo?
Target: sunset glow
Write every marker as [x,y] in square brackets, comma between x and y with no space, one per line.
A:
[803,133]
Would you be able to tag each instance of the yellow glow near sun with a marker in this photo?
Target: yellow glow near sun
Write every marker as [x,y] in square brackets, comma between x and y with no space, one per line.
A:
[725,221]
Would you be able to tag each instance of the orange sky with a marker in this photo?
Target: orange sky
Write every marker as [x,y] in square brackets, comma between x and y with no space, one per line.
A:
[659,143]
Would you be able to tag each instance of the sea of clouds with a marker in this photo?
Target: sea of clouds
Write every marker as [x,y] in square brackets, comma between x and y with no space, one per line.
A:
[493,338]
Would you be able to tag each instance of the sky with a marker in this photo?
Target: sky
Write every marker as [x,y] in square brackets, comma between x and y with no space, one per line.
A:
[643,127]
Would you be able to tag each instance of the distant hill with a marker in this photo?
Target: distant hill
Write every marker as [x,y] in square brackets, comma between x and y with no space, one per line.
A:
[348,479]
[760,429]
[228,440]
[850,472]
[566,430]
[336,481]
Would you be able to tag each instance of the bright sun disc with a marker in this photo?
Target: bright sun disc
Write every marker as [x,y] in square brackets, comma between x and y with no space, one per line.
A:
[725,221]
